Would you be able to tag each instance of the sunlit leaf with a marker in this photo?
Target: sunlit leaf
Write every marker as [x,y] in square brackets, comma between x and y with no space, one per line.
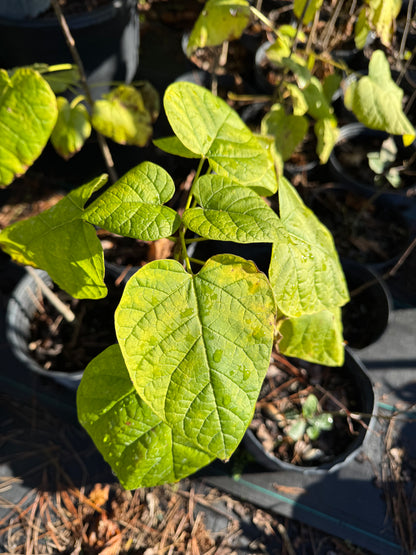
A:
[219,21]
[61,243]
[207,126]
[141,449]
[28,114]
[72,128]
[228,212]
[197,348]
[134,205]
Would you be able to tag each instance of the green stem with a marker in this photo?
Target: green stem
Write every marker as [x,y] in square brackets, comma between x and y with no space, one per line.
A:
[263,18]
[197,261]
[77,100]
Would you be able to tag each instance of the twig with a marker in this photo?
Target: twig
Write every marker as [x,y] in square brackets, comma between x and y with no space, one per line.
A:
[51,296]
[102,143]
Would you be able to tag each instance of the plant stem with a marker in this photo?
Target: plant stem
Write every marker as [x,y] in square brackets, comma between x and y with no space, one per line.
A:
[51,296]
[406,29]
[102,143]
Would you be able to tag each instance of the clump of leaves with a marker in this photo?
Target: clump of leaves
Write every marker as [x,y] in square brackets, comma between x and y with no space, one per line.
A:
[311,421]
[179,387]
[32,112]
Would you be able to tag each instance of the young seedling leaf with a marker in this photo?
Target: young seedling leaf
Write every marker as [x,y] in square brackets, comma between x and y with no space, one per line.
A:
[304,272]
[122,117]
[133,206]
[229,212]
[72,128]
[62,244]
[314,337]
[376,100]
[141,449]
[207,126]
[318,105]
[219,21]
[297,429]
[197,348]
[24,132]
[287,130]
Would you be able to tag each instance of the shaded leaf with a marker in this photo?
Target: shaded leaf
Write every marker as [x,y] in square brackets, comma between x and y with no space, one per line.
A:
[197,348]
[28,114]
[288,131]
[305,272]
[207,126]
[72,128]
[133,206]
[121,116]
[140,448]
[172,145]
[228,212]
[314,337]
[61,243]
[219,21]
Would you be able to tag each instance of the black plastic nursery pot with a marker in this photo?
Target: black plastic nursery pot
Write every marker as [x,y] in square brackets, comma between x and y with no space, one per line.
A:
[353,370]
[349,164]
[107,39]
[365,318]
[36,347]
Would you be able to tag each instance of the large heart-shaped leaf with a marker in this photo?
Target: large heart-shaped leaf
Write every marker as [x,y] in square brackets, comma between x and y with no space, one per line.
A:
[305,272]
[220,20]
[72,128]
[228,212]
[133,206]
[197,347]
[141,449]
[314,337]
[61,243]
[28,114]
[376,100]
[122,117]
[207,126]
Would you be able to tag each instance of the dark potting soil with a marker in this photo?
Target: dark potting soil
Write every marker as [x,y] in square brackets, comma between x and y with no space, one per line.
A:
[285,388]
[68,347]
[365,231]
[353,157]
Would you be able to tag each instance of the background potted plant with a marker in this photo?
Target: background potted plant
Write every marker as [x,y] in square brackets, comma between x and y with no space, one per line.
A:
[179,387]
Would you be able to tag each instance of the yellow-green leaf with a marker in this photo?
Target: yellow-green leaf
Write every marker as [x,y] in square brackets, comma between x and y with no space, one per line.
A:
[72,128]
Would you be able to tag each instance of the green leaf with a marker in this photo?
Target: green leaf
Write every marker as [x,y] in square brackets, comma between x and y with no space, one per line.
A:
[28,114]
[207,126]
[310,406]
[61,243]
[133,206]
[376,100]
[330,85]
[140,448]
[60,79]
[305,272]
[297,429]
[172,145]
[323,421]
[230,213]
[312,7]
[382,15]
[327,132]
[220,20]
[314,337]
[318,105]
[197,348]
[300,106]
[72,128]
[122,117]
[362,28]
[288,131]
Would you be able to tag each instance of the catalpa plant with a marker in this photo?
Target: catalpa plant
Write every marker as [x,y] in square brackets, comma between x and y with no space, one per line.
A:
[179,388]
